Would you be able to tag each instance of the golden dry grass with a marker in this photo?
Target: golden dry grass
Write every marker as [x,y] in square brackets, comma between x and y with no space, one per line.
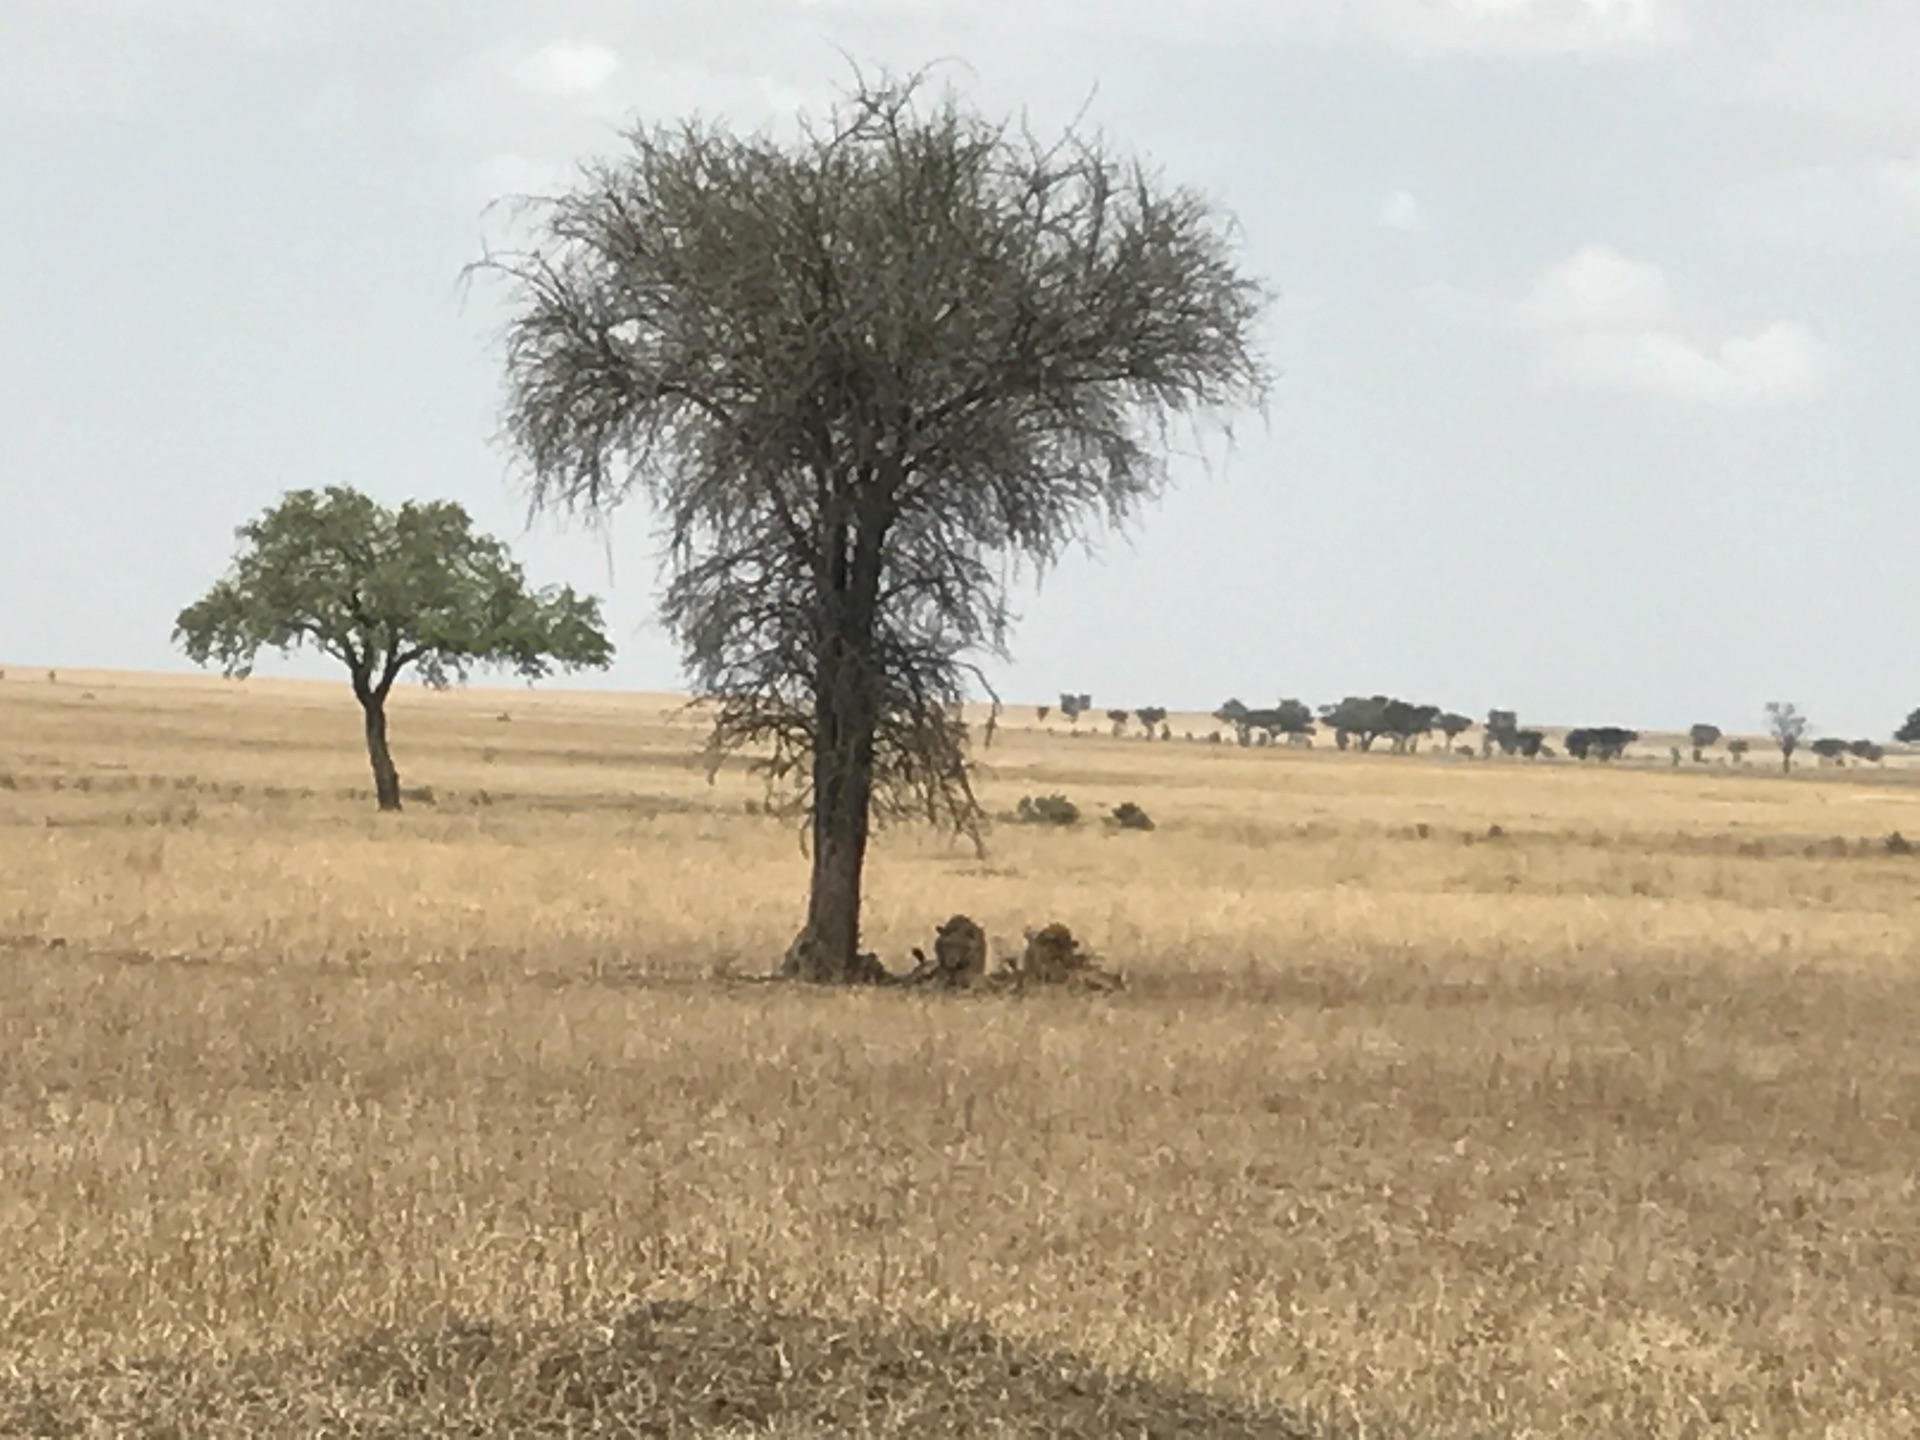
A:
[1608,1126]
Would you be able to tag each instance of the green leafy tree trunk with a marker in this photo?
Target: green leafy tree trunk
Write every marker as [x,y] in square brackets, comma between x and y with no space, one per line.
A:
[386,779]
[373,705]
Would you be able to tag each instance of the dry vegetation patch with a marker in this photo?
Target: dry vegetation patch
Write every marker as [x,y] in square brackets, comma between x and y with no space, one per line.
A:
[1572,1134]
[662,1369]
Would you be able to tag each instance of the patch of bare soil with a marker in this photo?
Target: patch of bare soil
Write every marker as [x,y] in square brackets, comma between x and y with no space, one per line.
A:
[663,1370]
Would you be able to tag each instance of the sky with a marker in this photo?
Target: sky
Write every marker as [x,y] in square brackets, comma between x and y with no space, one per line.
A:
[1596,339]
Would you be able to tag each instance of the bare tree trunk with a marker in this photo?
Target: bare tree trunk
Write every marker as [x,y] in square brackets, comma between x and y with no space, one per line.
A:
[842,797]
[846,715]
[386,779]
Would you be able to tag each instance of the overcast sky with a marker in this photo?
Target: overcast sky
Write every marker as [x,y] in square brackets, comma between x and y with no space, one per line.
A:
[1600,372]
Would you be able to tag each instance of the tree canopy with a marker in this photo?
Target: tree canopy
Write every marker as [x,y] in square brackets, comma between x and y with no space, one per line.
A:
[863,378]
[382,590]
[1703,737]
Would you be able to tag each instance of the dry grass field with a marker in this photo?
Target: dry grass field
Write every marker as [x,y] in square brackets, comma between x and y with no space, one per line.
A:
[468,1122]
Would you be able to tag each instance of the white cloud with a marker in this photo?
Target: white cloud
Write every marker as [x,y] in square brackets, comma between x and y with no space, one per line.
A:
[1598,289]
[568,68]
[1607,322]
[1403,212]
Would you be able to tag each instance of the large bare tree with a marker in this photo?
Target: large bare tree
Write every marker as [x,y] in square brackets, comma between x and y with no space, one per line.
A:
[862,377]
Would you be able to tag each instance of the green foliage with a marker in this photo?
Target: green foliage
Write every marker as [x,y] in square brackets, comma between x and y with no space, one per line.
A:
[380,590]
[1909,733]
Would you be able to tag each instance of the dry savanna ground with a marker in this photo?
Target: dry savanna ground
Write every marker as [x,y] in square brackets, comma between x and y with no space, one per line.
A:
[467,1121]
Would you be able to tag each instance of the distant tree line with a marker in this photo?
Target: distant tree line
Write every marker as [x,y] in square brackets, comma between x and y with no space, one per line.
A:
[1360,722]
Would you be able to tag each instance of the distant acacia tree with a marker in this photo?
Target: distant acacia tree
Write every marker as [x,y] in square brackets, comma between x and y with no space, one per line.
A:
[1737,747]
[1909,733]
[1788,727]
[1151,718]
[1074,706]
[1703,739]
[1118,719]
[1600,742]
[1452,726]
[1831,750]
[1041,712]
[1503,730]
[1291,718]
[1408,724]
[1357,720]
[1867,750]
[381,590]
[1234,713]
[861,375]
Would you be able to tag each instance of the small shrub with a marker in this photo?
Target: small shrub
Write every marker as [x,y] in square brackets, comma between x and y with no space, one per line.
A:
[1047,810]
[1897,844]
[1129,816]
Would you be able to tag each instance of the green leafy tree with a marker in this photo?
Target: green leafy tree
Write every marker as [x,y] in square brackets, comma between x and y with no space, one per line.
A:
[1909,733]
[380,591]
[1151,718]
[866,377]
[1452,726]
